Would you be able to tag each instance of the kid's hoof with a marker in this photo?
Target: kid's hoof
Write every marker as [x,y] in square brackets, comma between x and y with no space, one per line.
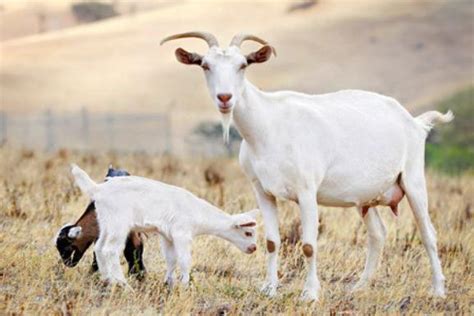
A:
[309,295]
[269,289]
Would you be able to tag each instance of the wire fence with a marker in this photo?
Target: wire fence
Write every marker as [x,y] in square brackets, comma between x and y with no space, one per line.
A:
[110,131]
[150,132]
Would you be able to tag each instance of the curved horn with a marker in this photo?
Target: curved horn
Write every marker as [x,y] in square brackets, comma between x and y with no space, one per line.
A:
[208,37]
[238,39]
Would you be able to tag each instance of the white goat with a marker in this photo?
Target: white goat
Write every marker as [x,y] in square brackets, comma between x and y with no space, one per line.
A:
[348,148]
[125,204]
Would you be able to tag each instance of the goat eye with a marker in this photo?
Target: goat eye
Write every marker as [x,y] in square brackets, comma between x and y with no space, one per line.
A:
[243,66]
[248,234]
[205,67]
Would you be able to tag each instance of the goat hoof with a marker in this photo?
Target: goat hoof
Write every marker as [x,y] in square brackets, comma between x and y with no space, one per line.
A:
[169,282]
[269,289]
[360,285]
[309,295]
[438,292]
[123,284]
[438,288]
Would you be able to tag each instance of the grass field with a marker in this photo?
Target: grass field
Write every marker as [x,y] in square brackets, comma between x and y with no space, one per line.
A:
[37,197]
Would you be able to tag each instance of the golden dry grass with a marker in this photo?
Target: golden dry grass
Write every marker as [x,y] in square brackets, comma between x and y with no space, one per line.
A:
[37,197]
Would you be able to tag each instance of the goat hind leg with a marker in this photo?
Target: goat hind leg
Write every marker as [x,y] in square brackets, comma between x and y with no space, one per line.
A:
[376,234]
[100,257]
[111,250]
[415,189]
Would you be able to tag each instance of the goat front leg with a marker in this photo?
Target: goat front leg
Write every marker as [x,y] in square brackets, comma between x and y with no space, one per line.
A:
[95,266]
[268,207]
[376,234]
[182,249]
[310,222]
[170,257]
[134,255]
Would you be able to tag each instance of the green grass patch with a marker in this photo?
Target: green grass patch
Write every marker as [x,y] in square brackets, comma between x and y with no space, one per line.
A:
[451,148]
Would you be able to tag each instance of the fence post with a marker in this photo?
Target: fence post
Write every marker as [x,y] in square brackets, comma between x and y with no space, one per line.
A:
[85,128]
[110,122]
[168,134]
[3,127]
[49,122]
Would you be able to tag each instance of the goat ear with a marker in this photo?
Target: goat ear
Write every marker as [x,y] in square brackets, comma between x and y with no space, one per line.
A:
[261,55]
[248,224]
[188,58]
[74,232]
[245,222]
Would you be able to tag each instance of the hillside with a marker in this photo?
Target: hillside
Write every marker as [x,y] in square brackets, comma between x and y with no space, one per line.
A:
[20,18]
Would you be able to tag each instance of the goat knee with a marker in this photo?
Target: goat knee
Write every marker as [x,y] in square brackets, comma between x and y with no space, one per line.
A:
[272,246]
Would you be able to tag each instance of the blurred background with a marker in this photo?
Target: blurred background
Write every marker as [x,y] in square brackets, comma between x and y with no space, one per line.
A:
[91,76]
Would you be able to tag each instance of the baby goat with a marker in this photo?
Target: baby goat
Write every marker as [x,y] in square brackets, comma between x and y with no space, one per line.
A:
[73,240]
[136,204]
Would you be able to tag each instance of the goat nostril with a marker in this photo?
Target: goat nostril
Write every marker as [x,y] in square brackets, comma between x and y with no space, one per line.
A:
[224,97]
[252,248]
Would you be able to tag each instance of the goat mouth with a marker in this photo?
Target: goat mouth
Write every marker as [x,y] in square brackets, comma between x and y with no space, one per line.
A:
[70,262]
[71,259]
[225,108]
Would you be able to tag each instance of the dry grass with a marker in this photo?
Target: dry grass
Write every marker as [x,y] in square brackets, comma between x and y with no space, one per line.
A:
[37,197]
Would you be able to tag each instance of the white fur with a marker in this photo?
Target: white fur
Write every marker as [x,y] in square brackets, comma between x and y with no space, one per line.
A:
[125,204]
[74,232]
[336,149]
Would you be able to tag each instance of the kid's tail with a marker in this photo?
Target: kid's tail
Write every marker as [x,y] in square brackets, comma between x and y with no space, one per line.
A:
[429,119]
[83,181]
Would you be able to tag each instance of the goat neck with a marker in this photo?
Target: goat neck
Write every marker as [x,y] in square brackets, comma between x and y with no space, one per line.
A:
[213,221]
[251,116]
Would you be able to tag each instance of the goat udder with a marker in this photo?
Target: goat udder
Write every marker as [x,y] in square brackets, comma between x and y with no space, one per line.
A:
[397,196]
[391,198]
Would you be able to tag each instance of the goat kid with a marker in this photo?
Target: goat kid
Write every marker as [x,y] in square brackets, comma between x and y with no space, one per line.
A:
[72,240]
[136,204]
[348,148]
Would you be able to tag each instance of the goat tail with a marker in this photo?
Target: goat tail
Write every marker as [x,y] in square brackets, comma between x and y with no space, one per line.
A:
[83,181]
[429,119]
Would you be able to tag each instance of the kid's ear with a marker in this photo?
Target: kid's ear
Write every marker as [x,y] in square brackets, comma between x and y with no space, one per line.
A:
[244,221]
[251,223]
[74,232]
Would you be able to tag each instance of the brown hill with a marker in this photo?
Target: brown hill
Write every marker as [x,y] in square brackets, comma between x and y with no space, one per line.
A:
[413,51]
